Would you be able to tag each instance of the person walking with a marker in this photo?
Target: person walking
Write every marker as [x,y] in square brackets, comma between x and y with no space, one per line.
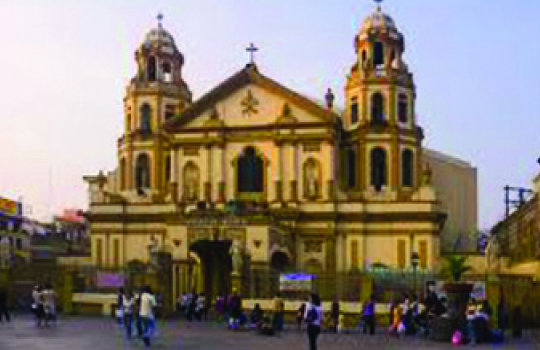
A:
[313,318]
[120,307]
[49,304]
[128,302]
[146,313]
[300,317]
[278,312]
[4,312]
[137,309]
[368,316]
[334,314]
[37,296]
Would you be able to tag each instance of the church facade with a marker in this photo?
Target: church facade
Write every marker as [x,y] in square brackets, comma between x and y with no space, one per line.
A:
[277,178]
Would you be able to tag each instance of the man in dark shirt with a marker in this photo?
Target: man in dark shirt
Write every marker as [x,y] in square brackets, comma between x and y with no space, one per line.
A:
[4,305]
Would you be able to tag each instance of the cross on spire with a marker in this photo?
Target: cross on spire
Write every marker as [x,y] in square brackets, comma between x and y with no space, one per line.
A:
[252,49]
[159,18]
[378,3]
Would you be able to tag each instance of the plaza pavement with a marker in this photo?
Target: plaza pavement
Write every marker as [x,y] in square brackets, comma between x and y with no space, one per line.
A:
[77,333]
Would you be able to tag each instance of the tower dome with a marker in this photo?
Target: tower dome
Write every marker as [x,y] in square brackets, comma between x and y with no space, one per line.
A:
[159,36]
[379,21]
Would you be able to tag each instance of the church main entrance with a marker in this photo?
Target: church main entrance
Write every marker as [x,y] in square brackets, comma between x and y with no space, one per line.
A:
[216,266]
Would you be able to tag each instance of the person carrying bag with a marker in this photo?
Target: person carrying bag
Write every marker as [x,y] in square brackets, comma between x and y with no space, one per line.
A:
[313,319]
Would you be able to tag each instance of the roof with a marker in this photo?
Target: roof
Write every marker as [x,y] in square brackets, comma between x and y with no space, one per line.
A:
[249,75]
[448,159]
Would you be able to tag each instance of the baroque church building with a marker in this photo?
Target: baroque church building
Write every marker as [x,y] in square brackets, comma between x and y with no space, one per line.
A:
[263,174]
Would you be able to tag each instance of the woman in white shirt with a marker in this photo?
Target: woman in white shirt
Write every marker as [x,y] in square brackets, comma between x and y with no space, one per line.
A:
[127,303]
[313,318]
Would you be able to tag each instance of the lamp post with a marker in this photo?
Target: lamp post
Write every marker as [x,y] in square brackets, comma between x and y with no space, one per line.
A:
[414,263]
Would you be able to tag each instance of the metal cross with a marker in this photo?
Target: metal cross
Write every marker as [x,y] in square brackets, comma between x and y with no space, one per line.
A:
[252,49]
[159,18]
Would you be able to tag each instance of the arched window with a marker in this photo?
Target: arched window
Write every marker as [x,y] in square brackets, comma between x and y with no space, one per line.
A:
[392,56]
[351,168]
[142,171]
[378,168]
[354,110]
[403,107]
[167,169]
[378,53]
[377,107]
[250,172]
[146,112]
[122,174]
[151,68]
[407,168]
[166,72]
[364,58]
[128,122]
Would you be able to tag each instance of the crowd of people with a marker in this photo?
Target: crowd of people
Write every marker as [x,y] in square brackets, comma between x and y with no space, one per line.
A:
[408,314]
[44,300]
[137,310]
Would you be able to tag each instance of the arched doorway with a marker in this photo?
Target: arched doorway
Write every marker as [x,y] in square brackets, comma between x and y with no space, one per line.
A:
[279,262]
[216,266]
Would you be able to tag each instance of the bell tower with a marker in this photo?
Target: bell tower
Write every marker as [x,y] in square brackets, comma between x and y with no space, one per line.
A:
[156,94]
[383,153]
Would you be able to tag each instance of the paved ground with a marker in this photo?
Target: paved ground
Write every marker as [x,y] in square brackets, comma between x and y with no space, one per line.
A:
[102,334]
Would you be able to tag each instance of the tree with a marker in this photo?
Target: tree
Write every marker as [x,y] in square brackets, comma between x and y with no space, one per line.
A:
[455,266]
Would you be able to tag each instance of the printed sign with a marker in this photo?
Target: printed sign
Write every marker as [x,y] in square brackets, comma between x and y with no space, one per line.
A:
[8,207]
[110,280]
[295,283]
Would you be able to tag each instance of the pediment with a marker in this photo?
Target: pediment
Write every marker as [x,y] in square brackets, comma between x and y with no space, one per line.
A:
[250,99]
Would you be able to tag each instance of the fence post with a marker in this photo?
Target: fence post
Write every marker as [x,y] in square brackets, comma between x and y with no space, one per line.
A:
[366,287]
[67,292]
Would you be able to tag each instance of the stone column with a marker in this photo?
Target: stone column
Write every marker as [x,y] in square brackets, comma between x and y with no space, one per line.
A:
[328,170]
[207,194]
[277,172]
[220,173]
[292,169]
[173,186]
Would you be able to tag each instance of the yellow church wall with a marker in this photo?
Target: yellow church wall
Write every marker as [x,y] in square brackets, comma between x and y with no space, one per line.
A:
[178,233]
[258,235]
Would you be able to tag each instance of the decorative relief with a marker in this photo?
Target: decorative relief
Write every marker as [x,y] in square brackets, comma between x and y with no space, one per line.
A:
[257,243]
[191,151]
[313,246]
[195,234]
[235,234]
[249,104]
[312,147]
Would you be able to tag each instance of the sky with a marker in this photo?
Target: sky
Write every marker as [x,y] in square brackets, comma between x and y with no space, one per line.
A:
[64,65]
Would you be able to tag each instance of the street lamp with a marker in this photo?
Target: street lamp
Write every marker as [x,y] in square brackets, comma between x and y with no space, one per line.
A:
[414,262]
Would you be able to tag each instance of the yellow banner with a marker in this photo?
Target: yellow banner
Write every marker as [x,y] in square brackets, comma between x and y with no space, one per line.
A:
[8,207]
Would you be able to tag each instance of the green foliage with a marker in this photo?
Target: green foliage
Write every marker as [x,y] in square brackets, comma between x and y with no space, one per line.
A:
[455,266]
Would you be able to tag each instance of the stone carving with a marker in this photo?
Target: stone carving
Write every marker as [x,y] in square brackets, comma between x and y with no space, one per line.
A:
[237,258]
[313,246]
[311,179]
[191,182]
[492,254]
[249,104]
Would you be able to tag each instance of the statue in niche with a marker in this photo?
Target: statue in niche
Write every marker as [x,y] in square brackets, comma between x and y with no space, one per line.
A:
[236,255]
[311,179]
[191,176]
